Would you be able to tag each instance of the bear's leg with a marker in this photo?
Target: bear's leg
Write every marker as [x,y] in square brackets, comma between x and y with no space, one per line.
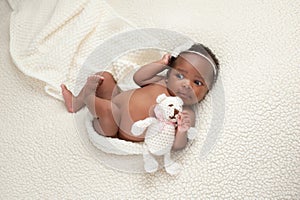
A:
[171,166]
[150,164]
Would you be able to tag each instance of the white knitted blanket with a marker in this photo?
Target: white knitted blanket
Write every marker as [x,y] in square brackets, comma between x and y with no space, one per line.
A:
[52,42]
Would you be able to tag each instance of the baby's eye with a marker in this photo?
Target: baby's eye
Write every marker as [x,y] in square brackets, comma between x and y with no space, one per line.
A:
[179,76]
[198,82]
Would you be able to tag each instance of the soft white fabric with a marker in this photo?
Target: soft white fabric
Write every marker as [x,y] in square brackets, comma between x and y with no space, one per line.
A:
[52,42]
[45,152]
[111,145]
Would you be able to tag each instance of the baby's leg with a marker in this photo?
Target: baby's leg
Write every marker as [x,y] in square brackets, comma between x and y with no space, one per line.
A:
[107,121]
[72,103]
[107,113]
[104,89]
[104,110]
[108,87]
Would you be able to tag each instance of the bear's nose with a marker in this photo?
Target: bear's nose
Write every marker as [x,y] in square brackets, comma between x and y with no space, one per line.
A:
[176,112]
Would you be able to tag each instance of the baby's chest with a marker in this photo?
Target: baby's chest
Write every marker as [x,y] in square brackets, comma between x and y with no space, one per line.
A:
[143,100]
[140,106]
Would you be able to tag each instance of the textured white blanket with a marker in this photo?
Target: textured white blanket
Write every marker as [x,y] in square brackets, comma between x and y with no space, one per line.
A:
[50,40]
[256,153]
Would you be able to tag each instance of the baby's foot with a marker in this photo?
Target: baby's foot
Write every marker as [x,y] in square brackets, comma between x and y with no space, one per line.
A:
[91,84]
[68,96]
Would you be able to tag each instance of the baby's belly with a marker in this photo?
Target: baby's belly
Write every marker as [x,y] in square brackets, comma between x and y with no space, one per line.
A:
[134,105]
[127,105]
[126,122]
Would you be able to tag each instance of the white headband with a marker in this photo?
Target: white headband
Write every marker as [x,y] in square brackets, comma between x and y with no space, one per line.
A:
[206,58]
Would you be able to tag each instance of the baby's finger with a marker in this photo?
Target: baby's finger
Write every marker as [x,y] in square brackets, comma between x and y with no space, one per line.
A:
[167,55]
[187,124]
[187,120]
[166,58]
[184,114]
[179,119]
[185,117]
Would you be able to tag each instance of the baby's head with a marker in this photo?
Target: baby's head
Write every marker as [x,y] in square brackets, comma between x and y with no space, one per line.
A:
[192,74]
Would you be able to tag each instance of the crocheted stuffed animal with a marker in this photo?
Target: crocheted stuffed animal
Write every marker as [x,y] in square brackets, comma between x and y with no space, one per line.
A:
[160,133]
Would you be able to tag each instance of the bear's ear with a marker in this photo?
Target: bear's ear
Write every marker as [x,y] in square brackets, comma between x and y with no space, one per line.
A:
[160,98]
[179,100]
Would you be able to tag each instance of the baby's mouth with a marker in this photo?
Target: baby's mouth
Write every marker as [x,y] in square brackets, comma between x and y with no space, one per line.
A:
[183,95]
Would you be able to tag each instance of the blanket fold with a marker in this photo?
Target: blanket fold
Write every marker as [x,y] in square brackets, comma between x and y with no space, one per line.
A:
[52,43]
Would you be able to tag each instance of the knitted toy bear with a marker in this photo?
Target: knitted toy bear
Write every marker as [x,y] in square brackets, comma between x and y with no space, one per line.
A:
[160,133]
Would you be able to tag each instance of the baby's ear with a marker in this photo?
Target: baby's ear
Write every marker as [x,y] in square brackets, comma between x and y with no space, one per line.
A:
[160,98]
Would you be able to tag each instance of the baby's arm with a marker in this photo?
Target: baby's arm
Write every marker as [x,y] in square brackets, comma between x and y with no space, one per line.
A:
[185,121]
[148,73]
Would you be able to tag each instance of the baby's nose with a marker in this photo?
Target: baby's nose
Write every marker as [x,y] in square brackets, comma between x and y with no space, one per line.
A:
[187,83]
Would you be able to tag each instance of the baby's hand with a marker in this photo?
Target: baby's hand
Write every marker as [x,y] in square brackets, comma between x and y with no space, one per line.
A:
[183,121]
[165,59]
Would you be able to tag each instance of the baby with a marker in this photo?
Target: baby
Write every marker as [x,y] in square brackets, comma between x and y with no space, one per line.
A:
[190,76]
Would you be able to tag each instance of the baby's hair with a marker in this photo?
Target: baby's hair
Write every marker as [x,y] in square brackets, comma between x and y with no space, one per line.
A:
[207,52]
[200,48]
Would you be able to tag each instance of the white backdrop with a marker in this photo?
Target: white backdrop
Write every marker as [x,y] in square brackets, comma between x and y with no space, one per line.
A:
[257,155]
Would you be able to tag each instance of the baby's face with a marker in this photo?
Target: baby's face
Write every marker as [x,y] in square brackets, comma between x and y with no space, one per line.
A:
[190,78]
